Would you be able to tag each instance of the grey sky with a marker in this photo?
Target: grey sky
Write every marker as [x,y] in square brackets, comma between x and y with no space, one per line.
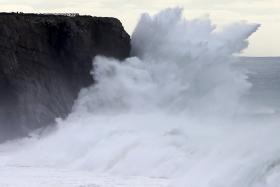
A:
[266,42]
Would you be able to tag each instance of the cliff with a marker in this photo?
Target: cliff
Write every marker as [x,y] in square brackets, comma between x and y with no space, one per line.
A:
[45,60]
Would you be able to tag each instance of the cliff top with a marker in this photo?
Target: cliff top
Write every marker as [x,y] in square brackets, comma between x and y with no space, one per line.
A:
[59,16]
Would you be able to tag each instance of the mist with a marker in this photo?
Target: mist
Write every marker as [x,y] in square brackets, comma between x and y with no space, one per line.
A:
[178,109]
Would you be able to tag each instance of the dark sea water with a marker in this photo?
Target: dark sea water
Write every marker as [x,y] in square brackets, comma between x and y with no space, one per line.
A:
[264,74]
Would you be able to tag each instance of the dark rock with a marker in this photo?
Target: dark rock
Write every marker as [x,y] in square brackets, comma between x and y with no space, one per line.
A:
[45,60]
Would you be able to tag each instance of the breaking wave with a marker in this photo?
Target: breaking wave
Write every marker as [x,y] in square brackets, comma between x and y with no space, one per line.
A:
[171,110]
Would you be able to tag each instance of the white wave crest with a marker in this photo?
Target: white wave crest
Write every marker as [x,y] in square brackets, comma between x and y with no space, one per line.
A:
[159,112]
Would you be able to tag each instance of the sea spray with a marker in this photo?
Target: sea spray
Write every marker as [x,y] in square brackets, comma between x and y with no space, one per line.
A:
[168,111]
[178,65]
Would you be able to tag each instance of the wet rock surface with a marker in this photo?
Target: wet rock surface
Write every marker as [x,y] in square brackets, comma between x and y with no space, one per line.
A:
[44,62]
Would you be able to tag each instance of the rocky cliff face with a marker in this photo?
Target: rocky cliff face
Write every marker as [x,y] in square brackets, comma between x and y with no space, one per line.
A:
[45,60]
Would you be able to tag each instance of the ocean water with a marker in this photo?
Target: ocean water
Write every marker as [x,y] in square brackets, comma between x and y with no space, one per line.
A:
[183,108]
[264,75]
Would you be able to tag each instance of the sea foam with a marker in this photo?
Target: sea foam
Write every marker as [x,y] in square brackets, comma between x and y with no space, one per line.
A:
[169,111]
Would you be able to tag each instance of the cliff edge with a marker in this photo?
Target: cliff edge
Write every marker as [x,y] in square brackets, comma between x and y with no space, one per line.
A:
[44,62]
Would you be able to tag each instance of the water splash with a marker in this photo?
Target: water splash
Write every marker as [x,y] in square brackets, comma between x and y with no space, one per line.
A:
[179,65]
[169,111]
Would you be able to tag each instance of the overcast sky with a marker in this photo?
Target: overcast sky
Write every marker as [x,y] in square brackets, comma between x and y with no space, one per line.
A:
[266,42]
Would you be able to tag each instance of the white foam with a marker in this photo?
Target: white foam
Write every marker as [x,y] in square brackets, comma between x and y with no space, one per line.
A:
[170,111]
